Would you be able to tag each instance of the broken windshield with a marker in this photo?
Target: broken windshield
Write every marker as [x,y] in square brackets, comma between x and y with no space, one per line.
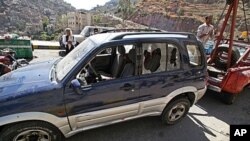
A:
[69,61]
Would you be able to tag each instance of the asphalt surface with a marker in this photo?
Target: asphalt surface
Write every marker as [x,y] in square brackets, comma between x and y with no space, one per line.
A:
[209,119]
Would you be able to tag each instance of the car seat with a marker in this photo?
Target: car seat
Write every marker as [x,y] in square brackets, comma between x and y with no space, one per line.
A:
[152,61]
[129,68]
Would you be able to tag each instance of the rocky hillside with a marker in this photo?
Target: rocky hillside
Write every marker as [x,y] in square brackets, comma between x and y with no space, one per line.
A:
[17,14]
[112,6]
[182,15]
[175,15]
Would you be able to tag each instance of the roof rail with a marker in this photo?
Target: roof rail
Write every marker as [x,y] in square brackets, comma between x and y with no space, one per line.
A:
[189,35]
[131,30]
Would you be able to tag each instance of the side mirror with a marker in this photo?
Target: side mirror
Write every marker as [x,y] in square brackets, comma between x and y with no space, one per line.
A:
[76,85]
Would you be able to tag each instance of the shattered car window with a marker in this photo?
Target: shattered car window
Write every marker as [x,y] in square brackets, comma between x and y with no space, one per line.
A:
[68,62]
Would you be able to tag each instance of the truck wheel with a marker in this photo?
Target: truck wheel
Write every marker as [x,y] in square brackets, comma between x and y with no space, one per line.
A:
[175,111]
[228,98]
[31,131]
[221,57]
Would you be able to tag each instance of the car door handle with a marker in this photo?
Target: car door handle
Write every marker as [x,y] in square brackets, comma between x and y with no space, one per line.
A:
[199,72]
[127,87]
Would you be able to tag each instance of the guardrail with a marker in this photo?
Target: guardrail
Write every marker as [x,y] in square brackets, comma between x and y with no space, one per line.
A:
[45,44]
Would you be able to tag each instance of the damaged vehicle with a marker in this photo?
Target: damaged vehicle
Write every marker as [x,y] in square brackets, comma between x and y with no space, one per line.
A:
[108,78]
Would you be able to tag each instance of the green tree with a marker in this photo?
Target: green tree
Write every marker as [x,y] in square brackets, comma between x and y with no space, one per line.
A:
[125,8]
[97,19]
[45,22]
[61,22]
[52,37]
[43,36]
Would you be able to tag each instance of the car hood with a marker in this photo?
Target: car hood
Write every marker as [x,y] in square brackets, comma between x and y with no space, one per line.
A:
[29,79]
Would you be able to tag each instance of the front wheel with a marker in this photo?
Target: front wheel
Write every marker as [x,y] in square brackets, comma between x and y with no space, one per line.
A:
[31,131]
[175,111]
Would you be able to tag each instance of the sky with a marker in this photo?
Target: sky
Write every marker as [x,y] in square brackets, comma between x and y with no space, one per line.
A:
[86,4]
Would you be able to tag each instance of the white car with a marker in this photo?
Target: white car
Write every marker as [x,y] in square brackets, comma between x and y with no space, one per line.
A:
[90,30]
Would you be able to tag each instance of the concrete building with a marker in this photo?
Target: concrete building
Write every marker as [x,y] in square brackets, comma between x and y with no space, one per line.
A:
[78,20]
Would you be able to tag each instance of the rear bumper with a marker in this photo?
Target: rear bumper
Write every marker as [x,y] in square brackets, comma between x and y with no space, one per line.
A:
[214,88]
[200,93]
[214,84]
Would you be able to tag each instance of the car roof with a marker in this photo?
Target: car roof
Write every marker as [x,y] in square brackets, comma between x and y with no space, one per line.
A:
[156,36]
[106,37]
[104,27]
[102,38]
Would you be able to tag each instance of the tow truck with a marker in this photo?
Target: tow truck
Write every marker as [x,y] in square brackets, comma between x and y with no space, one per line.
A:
[229,63]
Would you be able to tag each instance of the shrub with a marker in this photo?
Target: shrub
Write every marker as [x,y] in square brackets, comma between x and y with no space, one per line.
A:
[180,12]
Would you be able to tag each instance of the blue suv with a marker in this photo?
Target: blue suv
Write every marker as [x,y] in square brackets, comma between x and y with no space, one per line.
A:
[108,78]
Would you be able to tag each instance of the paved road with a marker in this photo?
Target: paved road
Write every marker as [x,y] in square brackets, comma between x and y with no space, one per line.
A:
[44,54]
[209,119]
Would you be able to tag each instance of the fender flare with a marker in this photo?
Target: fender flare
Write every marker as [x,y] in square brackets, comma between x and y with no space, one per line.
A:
[60,123]
[180,91]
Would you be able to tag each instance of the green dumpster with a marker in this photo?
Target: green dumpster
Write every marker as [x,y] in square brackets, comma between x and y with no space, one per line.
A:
[22,47]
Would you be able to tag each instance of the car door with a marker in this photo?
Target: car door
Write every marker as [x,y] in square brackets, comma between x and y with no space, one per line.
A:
[161,73]
[195,69]
[102,102]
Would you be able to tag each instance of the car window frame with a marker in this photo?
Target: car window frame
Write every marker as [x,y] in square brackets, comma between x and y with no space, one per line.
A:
[94,53]
[166,41]
[202,52]
[71,75]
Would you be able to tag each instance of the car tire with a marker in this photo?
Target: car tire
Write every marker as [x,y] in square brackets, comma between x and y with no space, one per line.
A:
[175,111]
[222,64]
[31,130]
[228,98]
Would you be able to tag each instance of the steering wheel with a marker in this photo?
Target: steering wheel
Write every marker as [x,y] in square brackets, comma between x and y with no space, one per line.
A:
[81,78]
[95,73]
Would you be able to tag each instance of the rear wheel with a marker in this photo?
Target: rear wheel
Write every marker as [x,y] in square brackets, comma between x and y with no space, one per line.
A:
[31,131]
[175,111]
[228,98]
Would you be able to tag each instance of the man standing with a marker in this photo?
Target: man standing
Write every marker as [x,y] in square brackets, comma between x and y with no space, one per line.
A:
[68,40]
[206,30]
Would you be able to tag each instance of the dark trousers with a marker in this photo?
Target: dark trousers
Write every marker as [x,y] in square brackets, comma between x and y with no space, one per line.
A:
[69,50]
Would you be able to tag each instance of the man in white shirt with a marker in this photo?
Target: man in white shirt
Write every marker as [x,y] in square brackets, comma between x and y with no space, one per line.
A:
[206,30]
[68,40]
